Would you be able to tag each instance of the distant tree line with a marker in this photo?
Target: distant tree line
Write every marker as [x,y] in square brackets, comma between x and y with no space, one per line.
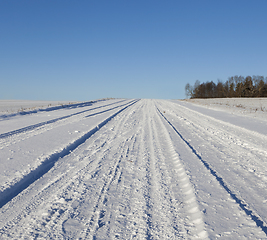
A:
[236,86]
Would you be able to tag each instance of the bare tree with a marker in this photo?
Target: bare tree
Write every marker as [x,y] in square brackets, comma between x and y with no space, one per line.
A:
[188,90]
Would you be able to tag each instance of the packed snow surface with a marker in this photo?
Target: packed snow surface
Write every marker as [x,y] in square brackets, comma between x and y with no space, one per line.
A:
[135,169]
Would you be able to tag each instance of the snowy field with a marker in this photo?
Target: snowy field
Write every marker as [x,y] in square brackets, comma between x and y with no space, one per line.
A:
[254,107]
[135,169]
[20,106]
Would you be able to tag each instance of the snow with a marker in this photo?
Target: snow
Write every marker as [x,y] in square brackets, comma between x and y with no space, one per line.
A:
[253,107]
[135,169]
[14,106]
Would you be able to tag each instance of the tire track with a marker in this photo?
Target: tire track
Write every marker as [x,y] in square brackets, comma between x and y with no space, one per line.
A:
[131,223]
[172,212]
[142,204]
[96,227]
[226,140]
[114,211]
[9,193]
[32,127]
[49,109]
[224,131]
[65,205]
[98,213]
[49,125]
[195,226]
[242,204]
[152,186]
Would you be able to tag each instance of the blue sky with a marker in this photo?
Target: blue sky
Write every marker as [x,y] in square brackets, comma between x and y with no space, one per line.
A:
[84,50]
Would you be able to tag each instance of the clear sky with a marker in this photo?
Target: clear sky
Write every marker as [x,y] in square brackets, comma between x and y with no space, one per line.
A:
[90,49]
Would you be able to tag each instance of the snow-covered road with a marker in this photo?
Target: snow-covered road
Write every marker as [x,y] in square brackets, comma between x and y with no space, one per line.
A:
[133,169]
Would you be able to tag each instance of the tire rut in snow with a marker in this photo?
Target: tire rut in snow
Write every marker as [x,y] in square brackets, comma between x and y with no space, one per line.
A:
[195,225]
[32,127]
[50,125]
[243,205]
[169,208]
[111,213]
[98,214]
[18,187]
[143,208]
[102,218]
[65,205]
